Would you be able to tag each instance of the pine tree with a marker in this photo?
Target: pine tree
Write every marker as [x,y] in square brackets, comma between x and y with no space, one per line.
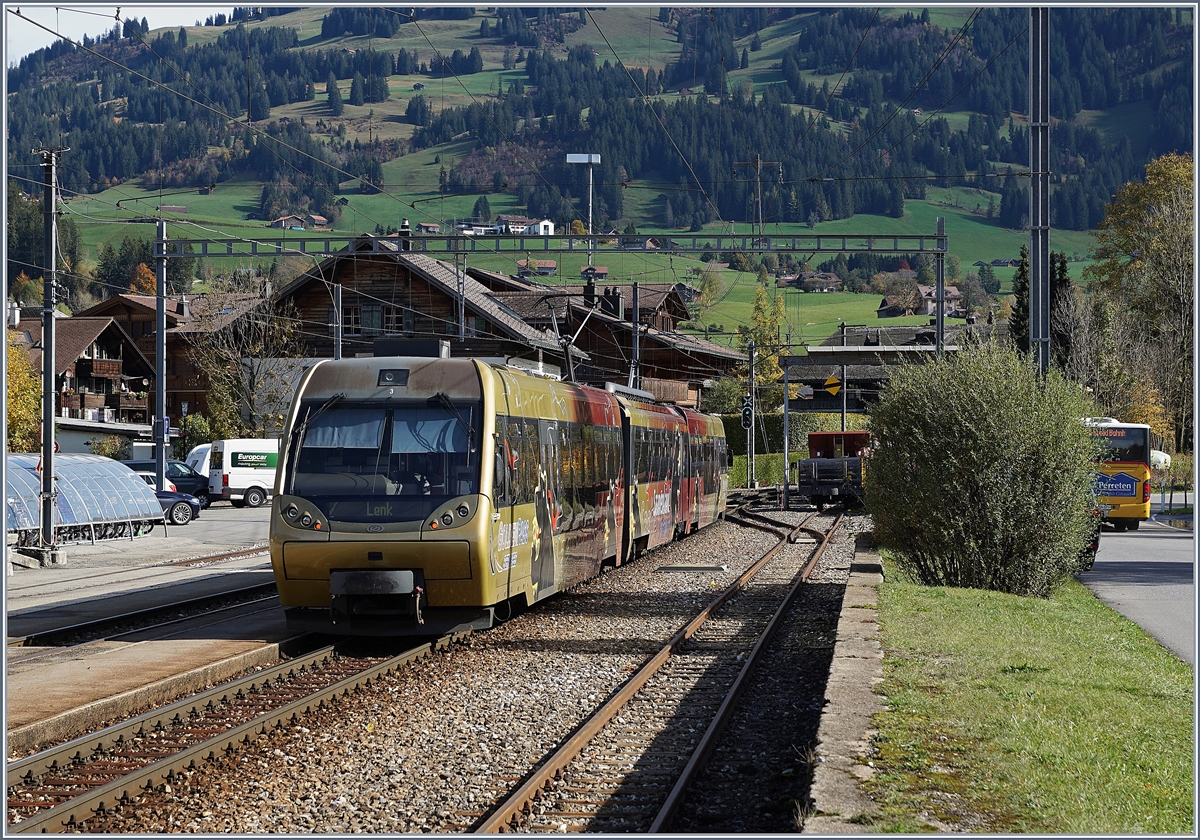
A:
[1018,323]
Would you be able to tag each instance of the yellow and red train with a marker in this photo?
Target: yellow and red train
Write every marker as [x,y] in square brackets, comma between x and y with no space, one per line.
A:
[420,495]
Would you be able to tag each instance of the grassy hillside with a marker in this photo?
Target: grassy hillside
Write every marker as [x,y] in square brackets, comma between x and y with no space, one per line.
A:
[635,37]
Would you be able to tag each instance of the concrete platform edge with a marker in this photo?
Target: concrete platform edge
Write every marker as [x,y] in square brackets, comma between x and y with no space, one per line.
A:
[844,737]
[68,725]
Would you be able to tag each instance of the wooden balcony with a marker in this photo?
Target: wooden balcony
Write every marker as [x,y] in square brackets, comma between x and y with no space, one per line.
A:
[98,369]
[83,401]
[126,402]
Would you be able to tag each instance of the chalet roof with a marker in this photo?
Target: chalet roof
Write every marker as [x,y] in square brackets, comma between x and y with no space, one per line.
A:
[930,292]
[441,276]
[681,342]
[901,335]
[499,282]
[534,306]
[74,335]
[478,298]
[202,314]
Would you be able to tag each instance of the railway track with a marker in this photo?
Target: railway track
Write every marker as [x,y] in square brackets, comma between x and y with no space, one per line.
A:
[115,779]
[62,788]
[628,766]
[150,618]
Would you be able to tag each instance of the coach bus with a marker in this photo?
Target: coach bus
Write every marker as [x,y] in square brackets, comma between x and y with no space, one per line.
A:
[1122,479]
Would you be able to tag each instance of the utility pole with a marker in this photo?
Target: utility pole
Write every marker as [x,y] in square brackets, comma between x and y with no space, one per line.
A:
[337,320]
[50,550]
[757,164]
[940,267]
[591,160]
[635,370]
[1039,185]
[844,383]
[162,423]
[460,276]
[751,476]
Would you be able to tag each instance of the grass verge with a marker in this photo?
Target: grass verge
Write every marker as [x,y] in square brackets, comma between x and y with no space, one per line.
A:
[1011,714]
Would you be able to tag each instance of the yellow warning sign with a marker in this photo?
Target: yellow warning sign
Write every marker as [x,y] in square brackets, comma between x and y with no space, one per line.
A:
[833,385]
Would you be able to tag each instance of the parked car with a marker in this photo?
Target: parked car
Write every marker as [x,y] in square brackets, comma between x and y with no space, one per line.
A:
[178,508]
[185,479]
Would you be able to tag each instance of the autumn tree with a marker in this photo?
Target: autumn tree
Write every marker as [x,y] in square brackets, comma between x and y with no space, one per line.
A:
[143,280]
[711,285]
[24,395]
[1144,258]
[765,331]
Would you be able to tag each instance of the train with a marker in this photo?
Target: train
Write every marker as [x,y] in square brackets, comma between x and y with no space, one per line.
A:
[420,496]
[833,472]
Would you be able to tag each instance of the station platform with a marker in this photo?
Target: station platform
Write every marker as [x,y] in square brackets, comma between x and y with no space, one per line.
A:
[53,694]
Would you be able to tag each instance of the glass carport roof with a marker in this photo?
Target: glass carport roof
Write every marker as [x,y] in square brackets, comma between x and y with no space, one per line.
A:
[92,491]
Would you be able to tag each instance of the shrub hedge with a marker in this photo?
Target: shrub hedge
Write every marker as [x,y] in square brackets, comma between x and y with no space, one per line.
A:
[982,476]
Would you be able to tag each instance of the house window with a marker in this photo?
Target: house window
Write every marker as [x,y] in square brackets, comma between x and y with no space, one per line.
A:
[393,321]
[372,315]
[351,320]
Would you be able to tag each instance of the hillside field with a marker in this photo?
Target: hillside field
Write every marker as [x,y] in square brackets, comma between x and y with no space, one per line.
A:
[638,40]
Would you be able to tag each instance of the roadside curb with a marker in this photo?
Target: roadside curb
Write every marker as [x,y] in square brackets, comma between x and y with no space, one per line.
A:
[840,806]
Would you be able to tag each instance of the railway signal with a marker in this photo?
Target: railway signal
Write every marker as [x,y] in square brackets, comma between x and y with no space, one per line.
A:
[747,411]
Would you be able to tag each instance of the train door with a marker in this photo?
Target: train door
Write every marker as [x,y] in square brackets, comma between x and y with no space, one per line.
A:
[547,500]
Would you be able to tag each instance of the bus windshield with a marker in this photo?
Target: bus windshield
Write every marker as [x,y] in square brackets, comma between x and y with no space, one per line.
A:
[1123,443]
[419,454]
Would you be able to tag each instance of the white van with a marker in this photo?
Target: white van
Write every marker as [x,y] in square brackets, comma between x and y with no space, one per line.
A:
[242,470]
[197,459]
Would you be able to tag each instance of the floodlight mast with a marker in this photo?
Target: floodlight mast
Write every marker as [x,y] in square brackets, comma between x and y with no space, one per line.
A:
[590,160]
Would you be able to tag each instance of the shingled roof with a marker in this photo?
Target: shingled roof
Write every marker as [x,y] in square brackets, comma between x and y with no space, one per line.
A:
[74,335]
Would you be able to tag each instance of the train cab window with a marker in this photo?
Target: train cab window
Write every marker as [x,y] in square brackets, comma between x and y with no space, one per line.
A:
[349,451]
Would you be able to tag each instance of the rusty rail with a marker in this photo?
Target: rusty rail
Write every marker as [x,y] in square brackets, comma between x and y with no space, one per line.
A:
[506,814]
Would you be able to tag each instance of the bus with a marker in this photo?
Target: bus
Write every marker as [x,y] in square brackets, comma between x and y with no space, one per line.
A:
[1122,479]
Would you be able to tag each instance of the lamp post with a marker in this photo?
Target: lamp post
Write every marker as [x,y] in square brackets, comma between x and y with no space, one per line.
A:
[590,161]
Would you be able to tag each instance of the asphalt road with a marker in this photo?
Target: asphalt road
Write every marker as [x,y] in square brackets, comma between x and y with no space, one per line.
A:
[1148,576]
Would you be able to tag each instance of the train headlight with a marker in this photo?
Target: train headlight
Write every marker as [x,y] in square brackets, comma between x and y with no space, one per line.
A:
[291,512]
[447,519]
[463,510]
[306,520]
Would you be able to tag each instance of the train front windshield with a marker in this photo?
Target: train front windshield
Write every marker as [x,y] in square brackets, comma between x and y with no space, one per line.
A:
[416,455]
[1123,445]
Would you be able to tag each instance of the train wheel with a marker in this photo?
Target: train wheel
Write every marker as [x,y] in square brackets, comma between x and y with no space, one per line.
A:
[820,506]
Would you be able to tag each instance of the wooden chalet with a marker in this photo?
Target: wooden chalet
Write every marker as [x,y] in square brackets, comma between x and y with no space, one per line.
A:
[861,359]
[186,386]
[388,292]
[100,373]
[674,365]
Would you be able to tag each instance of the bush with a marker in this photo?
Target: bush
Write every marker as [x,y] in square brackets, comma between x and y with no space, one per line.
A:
[983,473]
[193,431]
[114,446]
